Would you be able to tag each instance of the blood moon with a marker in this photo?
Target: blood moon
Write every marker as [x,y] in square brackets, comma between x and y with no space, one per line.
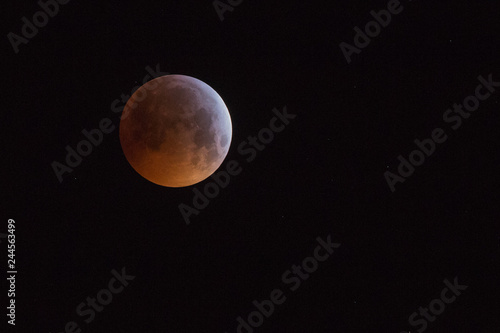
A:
[175,131]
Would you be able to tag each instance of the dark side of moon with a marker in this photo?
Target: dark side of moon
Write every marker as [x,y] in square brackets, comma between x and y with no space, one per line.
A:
[175,131]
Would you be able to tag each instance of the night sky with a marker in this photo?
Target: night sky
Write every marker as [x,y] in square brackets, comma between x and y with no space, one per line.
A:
[331,219]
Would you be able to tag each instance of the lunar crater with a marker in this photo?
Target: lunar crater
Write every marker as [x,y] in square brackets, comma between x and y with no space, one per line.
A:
[179,132]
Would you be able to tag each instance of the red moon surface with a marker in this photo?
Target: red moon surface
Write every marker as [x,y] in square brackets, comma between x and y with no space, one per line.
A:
[175,131]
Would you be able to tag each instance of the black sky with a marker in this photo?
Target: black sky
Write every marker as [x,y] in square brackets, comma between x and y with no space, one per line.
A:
[323,175]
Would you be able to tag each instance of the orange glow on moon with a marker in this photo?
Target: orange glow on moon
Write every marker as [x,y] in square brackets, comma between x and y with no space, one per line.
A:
[175,131]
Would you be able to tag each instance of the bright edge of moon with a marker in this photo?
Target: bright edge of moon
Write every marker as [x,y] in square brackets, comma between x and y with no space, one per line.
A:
[175,131]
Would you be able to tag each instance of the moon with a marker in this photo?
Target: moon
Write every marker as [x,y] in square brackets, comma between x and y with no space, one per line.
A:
[175,131]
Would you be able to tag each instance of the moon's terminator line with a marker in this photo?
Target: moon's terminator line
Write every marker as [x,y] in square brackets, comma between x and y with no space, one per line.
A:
[175,131]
